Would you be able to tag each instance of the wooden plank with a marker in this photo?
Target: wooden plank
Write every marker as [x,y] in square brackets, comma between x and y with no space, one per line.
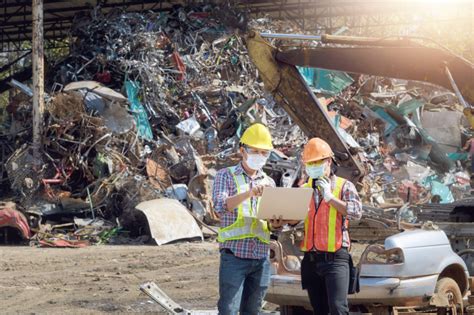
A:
[37,59]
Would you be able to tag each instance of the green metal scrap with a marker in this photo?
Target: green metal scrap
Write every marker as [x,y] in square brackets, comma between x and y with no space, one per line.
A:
[106,235]
[139,113]
[327,81]
[458,156]
[408,107]
[227,46]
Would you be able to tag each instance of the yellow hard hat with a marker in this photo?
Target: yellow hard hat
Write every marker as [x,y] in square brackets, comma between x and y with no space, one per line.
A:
[257,136]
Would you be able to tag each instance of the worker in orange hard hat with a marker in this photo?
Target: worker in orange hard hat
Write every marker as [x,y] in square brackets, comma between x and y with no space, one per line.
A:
[327,265]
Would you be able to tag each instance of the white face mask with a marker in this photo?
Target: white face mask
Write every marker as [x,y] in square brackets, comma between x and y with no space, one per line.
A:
[315,171]
[256,161]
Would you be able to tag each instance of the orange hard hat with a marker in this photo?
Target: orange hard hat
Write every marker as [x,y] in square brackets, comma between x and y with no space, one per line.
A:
[315,150]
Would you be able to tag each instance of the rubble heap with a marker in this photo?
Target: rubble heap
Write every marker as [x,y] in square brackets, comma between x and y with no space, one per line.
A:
[145,106]
[410,156]
[150,105]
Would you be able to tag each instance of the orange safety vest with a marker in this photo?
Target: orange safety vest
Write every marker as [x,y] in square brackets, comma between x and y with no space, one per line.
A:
[323,227]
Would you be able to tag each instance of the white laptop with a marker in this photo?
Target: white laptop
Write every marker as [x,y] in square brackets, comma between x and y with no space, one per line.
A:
[289,203]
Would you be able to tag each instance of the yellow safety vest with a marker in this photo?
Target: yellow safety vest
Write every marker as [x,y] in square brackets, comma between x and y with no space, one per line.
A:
[246,225]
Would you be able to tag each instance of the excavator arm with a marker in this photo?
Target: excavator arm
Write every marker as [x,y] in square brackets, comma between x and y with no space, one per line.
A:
[389,58]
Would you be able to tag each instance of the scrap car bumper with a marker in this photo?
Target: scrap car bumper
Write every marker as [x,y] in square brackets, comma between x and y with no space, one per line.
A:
[286,290]
[395,291]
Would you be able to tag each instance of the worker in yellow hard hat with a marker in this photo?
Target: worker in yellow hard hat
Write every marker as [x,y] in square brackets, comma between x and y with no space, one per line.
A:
[244,271]
[327,265]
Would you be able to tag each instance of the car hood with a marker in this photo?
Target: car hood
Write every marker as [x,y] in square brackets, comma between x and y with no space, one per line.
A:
[416,238]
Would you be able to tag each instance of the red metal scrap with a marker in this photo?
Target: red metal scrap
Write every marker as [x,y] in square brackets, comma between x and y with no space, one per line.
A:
[410,192]
[180,65]
[104,77]
[63,243]
[60,177]
[15,219]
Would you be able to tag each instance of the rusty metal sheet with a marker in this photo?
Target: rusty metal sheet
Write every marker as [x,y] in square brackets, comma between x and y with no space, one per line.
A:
[10,217]
[409,63]
[169,221]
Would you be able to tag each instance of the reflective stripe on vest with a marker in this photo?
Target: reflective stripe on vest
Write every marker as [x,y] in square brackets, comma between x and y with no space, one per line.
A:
[246,225]
[323,227]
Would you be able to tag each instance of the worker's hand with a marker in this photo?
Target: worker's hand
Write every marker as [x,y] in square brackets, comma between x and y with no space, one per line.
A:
[324,186]
[279,222]
[256,191]
[276,223]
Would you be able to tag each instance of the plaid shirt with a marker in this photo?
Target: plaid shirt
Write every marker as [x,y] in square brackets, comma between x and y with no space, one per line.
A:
[224,187]
[354,205]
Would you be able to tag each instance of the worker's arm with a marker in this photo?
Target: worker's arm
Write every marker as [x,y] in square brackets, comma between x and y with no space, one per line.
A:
[341,206]
[350,206]
[234,201]
[223,186]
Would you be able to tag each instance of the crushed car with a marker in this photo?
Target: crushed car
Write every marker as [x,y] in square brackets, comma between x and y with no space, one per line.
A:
[415,268]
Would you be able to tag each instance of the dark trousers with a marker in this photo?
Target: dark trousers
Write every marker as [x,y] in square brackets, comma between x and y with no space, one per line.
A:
[326,278]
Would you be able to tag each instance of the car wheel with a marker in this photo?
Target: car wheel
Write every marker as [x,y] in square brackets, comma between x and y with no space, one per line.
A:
[449,289]
[294,310]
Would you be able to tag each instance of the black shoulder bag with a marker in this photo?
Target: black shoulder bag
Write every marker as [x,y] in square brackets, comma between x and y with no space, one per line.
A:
[354,285]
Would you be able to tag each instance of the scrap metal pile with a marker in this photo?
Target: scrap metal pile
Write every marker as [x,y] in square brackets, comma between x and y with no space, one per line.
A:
[149,105]
[146,106]
[411,135]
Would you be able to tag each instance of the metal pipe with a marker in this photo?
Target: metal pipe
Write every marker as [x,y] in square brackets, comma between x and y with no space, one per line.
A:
[456,89]
[90,203]
[38,76]
[343,40]
[292,36]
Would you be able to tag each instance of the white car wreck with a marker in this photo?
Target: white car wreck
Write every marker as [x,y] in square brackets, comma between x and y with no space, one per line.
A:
[416,269]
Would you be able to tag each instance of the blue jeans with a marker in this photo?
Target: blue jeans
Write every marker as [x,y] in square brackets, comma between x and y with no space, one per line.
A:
[242,284]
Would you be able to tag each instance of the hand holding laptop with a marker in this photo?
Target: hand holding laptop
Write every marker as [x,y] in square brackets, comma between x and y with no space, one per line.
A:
[279,222]
[257,191]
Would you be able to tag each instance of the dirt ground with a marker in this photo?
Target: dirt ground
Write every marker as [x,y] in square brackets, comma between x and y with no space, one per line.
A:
[106,279]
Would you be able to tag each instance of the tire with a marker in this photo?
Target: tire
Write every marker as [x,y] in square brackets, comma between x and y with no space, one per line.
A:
[294,310]
[449,288]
